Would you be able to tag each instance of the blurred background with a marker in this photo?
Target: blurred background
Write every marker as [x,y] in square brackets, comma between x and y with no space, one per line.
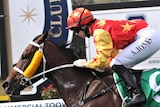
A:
[16,31]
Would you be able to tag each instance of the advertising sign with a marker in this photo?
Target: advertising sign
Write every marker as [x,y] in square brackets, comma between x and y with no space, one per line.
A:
[38,103]
[29,18]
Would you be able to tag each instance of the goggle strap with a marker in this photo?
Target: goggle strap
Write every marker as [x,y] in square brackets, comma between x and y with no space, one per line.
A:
[81,17]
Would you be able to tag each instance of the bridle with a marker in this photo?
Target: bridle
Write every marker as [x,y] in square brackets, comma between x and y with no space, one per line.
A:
[40,48]
[27,81]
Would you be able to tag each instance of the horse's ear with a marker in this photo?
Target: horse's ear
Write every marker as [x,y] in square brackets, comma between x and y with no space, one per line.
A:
[45,35]
[50,32]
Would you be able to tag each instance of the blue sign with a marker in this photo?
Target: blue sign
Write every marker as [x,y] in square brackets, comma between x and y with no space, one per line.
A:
[136,17]
[56,13]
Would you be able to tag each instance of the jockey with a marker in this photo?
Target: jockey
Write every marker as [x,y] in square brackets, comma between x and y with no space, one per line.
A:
[137,40]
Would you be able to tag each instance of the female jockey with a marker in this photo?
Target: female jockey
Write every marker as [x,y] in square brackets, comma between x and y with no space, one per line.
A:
[135,37]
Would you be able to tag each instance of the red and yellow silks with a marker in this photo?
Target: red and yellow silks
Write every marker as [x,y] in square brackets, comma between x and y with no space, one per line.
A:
[36,60]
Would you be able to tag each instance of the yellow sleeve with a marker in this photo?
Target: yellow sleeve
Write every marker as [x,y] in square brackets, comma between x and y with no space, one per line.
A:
[104,49]
[113,54]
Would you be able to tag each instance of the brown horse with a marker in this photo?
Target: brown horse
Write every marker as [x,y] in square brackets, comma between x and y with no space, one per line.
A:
[76,86]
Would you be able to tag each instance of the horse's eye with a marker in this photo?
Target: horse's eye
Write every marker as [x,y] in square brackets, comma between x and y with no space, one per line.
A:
[24,57]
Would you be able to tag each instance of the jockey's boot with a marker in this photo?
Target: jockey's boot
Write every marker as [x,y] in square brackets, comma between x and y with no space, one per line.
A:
[130,81]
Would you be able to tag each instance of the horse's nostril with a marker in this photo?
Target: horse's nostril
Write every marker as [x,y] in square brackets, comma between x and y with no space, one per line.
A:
[5,84]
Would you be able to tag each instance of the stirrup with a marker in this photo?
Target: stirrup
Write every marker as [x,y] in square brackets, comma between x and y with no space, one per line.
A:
[126,101]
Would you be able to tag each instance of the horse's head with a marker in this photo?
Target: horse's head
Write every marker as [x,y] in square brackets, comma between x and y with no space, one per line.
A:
[11,84]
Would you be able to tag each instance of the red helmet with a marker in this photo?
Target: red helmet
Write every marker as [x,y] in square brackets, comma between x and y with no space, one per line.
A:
[79,16]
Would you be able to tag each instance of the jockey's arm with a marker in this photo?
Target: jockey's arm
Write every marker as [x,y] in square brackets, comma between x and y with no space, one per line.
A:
[104,50]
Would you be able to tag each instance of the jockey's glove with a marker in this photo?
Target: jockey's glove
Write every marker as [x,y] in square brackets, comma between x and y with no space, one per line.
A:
[83,64]
[80,63]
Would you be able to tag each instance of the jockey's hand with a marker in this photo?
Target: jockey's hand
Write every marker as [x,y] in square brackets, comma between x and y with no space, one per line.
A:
[80,63]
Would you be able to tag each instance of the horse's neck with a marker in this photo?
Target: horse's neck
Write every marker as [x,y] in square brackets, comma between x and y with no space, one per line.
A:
[71,83]
[67,78]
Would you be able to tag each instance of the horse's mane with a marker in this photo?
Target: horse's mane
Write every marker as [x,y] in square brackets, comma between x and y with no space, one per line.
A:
[70,50]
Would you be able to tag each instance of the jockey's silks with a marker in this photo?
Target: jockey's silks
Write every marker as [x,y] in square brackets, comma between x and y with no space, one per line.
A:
[36,60]
[122,32]
[111,35]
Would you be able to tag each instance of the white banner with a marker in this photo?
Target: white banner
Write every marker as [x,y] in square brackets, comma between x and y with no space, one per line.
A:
[29,18]
[37,103]
[26,21]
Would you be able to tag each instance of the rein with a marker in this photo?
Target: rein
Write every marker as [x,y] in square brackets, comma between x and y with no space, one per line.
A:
[27,81]
[52,69]
[24,80]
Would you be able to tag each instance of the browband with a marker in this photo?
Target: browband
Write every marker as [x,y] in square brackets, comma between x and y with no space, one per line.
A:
[35,44]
